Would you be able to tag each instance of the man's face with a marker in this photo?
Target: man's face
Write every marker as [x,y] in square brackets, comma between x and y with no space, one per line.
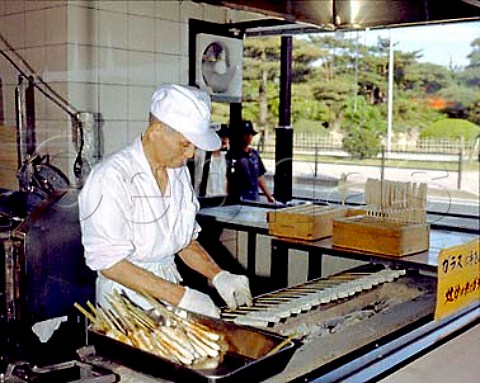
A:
[225,143]
[247,139]
[176,148]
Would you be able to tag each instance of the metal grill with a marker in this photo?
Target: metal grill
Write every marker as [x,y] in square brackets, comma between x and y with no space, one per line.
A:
[276,308]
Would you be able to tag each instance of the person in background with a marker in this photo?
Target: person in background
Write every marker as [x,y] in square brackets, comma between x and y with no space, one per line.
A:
[211,168]
[246,173]
[138,209]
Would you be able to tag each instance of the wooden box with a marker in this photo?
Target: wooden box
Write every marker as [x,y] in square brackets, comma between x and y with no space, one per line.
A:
[381,237]
[307,222]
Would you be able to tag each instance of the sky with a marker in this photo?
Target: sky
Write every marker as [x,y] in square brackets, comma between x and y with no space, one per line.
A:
[440,44]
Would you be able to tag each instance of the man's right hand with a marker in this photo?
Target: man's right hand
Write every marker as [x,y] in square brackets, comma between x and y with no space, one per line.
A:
[200,303]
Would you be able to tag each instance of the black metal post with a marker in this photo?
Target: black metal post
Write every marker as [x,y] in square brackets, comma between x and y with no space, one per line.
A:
[30,114]
[284,132]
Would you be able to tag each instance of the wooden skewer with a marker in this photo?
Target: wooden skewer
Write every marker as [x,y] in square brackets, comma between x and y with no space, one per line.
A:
[281,345]
[90,317]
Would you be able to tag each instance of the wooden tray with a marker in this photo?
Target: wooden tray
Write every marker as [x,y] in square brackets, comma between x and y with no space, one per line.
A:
[381,237]
[308,222]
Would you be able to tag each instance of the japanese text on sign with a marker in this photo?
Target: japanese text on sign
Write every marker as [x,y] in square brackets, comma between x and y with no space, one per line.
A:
[458,278]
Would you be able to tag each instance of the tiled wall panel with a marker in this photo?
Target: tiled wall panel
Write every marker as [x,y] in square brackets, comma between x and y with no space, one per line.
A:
[105,57]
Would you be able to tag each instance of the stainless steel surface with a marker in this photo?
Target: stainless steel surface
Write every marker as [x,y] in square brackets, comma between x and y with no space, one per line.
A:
[248,355]
[10,288]
[359,14]
[253,218]
[66,372]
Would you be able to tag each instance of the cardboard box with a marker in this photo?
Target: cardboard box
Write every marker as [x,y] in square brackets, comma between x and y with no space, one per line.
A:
[378,236]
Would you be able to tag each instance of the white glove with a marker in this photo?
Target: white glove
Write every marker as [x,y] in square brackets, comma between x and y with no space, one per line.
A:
[200,303]
[234,289]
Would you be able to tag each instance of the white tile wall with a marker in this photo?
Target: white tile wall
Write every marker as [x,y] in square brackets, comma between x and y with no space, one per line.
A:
[297,267]
[135,129]
[138,102]
[42,135]
[35,28]
[141,33]
[189,9]
[56,24]
[82,64]
[167,36]
[82,25]
[9,104]
[14,6]
[214,14]
[112,29]
[7,73]
[183,70]
[36,58]
[84,3]
[112,66]
[113,102]
[54,112]
[36,4]
[12,28]
[120,6]
[167,69]
[84,96]
[56,63]
[114,135]
[168,10]
[141,68]
[140,7]
[183,38]
[50,135]
[101,56]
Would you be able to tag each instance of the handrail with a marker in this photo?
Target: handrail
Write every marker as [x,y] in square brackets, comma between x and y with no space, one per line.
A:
[50,94]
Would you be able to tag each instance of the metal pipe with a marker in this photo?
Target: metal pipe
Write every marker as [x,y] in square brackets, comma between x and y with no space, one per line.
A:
[20,120]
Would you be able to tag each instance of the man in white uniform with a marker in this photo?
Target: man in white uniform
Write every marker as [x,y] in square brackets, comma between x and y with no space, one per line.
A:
[137,211]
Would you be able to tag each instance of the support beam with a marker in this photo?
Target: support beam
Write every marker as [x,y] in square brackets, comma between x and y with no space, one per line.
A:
[284,132]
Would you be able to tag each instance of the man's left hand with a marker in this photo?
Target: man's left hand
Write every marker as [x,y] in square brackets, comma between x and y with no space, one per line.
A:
[234,289]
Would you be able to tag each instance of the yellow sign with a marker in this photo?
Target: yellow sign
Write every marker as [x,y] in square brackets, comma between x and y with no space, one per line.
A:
[458,282]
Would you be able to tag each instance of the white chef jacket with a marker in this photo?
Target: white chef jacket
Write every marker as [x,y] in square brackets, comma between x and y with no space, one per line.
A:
[123,215]
[217,173]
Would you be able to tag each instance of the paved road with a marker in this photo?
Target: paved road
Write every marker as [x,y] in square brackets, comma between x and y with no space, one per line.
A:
[441,183]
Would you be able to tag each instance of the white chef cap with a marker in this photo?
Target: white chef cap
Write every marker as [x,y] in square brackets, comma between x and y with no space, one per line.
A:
[186,110]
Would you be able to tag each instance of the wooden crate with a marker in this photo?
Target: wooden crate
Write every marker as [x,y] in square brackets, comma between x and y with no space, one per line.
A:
[381,237]
[8,158]
[307,222]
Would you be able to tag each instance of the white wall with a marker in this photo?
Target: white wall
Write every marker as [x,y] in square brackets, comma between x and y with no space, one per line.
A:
[101,56]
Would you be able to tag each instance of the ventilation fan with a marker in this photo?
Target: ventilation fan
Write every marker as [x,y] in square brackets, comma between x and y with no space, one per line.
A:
[219,66]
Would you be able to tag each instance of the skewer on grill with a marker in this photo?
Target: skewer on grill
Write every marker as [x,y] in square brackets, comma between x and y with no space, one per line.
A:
[274,307]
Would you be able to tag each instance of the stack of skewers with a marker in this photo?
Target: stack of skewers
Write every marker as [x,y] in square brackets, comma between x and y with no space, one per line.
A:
[176,336]
[394,201]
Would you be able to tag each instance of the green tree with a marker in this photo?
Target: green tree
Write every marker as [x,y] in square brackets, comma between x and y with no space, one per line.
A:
[451,128]
[262,73]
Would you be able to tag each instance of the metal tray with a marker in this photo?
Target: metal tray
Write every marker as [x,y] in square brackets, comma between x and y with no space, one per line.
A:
[245,359]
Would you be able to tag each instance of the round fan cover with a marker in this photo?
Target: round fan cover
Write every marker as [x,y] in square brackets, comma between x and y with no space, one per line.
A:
[217,71]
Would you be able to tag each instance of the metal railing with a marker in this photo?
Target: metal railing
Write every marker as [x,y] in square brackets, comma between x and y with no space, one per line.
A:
[318,150]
